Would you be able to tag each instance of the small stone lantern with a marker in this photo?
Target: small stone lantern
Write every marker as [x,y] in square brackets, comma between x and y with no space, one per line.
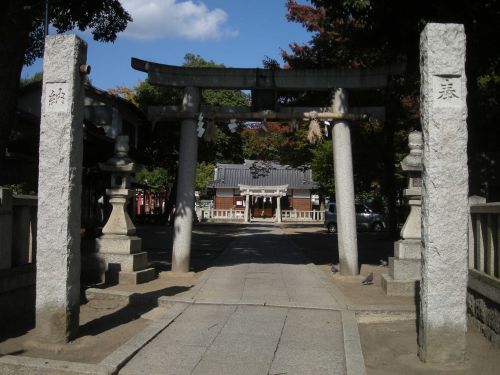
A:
[404,268]
[121,168]
[118,247]
[412,165]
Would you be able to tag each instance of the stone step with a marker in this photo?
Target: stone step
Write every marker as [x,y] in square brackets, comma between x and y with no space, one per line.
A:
[404,269]
[126,262]
[392,287]
[131,278]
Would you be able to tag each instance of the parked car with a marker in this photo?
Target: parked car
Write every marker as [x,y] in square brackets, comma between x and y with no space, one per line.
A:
[366,219]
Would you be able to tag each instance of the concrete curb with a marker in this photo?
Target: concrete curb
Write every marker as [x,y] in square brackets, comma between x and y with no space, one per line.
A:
[381,308]
[354,360]
[108,295]
[167,301]
[329,285]
[20,365]
[116,360]
[134,297]
[383,313]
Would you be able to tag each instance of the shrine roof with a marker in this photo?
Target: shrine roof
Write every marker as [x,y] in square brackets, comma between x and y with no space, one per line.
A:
[258,173]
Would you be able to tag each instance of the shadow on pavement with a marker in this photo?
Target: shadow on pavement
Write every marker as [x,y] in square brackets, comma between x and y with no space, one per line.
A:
[139,305]
[210,240]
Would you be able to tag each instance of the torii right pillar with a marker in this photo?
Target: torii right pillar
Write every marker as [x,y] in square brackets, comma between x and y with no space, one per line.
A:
[443,320]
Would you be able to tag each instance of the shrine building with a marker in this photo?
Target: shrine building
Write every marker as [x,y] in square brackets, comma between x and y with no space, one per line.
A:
[262,189]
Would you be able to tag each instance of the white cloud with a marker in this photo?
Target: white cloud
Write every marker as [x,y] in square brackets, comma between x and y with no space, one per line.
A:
[154,19]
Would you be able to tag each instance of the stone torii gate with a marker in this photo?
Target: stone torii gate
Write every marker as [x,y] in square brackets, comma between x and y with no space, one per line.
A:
[264,83]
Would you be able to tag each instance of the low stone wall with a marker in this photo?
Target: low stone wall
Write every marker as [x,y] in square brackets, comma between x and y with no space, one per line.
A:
[483,305]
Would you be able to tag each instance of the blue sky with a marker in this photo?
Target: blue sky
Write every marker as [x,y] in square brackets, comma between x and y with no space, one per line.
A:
[236,33]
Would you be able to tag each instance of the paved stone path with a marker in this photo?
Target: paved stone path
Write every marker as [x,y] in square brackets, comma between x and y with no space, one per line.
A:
[262,310]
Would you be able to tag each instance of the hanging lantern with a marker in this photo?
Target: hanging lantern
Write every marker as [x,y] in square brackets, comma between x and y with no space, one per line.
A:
[314,134]
[232,125]
[211,132]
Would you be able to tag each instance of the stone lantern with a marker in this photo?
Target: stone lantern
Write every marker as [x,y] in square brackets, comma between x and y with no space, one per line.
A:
[404,267]
[118,247]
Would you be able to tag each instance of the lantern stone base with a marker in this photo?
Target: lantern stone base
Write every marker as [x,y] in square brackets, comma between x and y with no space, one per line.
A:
[404,269]
[407,288]
[124,263]
[130,278]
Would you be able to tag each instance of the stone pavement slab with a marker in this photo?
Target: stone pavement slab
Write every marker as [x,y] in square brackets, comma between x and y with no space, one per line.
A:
[266,266]
[211,339]
[261,310]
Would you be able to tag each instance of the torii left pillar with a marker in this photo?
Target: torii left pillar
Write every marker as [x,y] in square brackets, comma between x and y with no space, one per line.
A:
[59,190]
[184,207]
[344,189]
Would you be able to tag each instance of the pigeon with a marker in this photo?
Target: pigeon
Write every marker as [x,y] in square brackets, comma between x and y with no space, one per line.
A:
[383,263]
[368,280]
[334,268]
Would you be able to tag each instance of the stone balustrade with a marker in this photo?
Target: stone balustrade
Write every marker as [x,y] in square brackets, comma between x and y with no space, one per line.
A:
[220,214]
[483,297]
[18,229]
[294,215]
[484,253]
[18,221]
[236,215]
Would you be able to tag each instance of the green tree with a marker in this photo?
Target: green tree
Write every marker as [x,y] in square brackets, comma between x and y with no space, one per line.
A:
[163,147]
[277,142]
[155,177]
[21,40]
[322,169]
[367,33]
[204,173]
[37,77]
[230,98]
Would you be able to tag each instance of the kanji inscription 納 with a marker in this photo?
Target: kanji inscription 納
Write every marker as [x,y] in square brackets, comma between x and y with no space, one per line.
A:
[56,97]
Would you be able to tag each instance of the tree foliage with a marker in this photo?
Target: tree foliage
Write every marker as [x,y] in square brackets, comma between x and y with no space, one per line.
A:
[155,177]
[277,142]
[322,169]
[367,33]
[163,147]
[37,77]
[204,173]
[21,40]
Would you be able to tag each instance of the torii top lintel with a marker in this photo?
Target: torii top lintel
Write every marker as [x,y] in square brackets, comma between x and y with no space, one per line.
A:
[265,79]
